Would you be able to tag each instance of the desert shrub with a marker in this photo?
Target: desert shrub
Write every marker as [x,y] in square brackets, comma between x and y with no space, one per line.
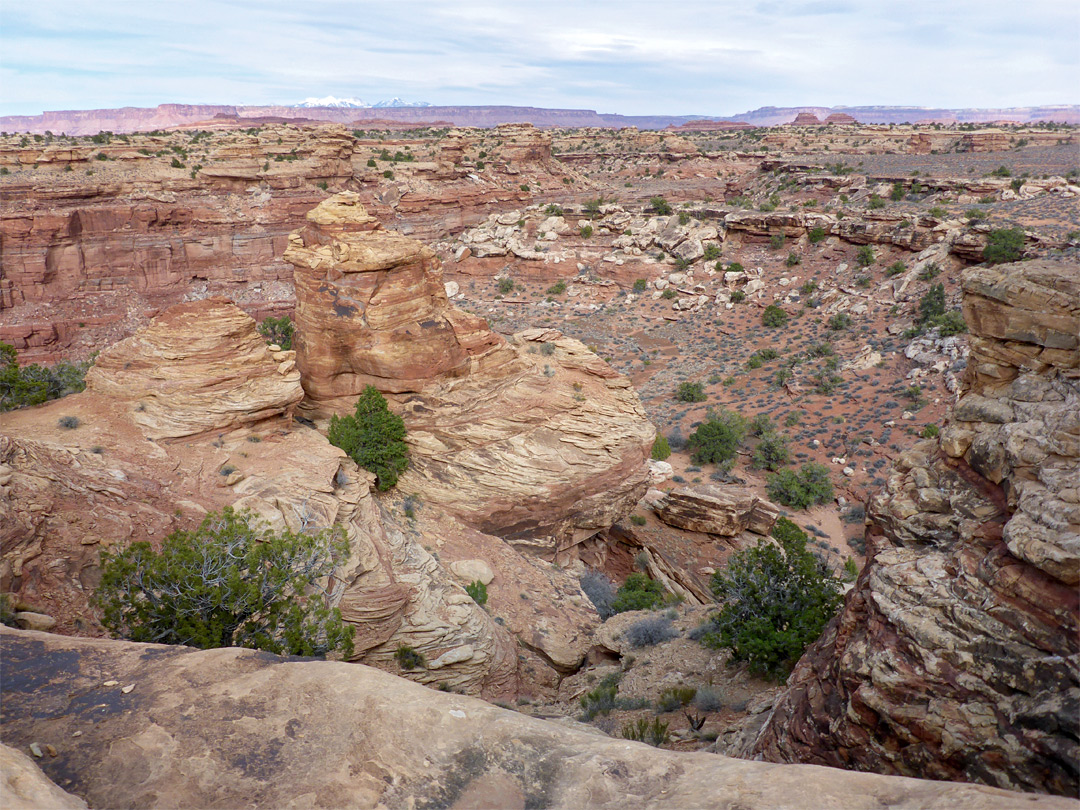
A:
[660,448]
[653,732]
[553,210]
[932,304]
[638,593]
[668,293]
[409,658]
[802,489]
[34,384]
[937,212]
[478,591]
[734,267]
[777,600]
[717,439]
[762,425]
[839,321]
[638,520]
[876,202]
[690,392]
[68,422]
[371,164]
[1004,245]
[389,175]
[816,234]
[279,331]
[603,698]
[864,256]
[373,437]
[930,431]
[558,288]
[600,590]
[228,583]
[951,323]
[895,269]
[774,316]
[776,241]
[897,192]
[650,631]
[793,259]
[771,452]
[712,252]
[660,206]
[675,697]
[708,699]
[930,272]
[505,286]
[639,285]
[585,231]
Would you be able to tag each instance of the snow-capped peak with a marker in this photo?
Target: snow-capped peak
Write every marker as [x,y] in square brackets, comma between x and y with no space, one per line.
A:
[400,102]
[330,101]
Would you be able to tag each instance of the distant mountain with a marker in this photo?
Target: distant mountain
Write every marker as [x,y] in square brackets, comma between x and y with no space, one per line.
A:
[356,103]
[400,102]
[330,101]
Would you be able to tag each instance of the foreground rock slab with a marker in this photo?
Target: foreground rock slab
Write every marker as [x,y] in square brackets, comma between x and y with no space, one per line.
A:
[231,728]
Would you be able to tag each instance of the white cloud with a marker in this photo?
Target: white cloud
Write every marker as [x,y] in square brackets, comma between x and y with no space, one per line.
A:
[633,57]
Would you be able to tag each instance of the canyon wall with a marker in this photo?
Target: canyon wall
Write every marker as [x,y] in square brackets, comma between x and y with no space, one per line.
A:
[956,654]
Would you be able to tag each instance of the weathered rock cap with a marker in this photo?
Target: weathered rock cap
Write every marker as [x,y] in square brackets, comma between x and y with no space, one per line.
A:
[344,237]
[726,511]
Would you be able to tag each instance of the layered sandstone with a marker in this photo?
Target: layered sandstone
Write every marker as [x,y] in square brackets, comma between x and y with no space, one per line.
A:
[956,655]
[198,367]
[535,440]
[167,726]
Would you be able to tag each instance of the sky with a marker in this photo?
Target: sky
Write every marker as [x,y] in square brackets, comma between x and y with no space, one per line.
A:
[661,57]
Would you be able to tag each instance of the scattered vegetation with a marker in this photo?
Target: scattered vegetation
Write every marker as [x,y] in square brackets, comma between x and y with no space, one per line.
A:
[801,490]
[34,384]
[228,583]
[1004,245]
[638,593]
[690,392]
[654,732]
[278,331]
[777,599]
[409,659]
[478,591]
[651,630]
[773,316]
[373,437]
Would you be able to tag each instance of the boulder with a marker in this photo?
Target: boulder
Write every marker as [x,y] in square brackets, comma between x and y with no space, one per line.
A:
[24,787]
[726,511]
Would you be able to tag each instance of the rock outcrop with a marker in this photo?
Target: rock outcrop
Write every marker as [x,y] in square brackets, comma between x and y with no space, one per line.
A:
[199,367]
[956,654]
[158,726]
[535,439]
[726,511]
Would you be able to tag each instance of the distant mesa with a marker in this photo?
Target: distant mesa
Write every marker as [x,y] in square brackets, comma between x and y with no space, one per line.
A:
[840,119]
[805,119]
[706,125]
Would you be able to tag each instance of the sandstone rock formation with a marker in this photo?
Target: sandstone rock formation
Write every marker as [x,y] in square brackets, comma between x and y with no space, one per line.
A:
[956,655]
[202,372]
[165,726]
[535,440]
[198,367]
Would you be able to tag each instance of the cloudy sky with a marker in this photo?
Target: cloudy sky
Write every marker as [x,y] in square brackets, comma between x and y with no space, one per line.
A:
[661,56]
